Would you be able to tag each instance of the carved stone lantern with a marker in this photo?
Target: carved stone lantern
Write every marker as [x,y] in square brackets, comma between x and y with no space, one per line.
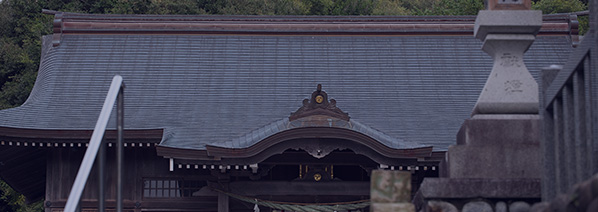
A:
[507,35]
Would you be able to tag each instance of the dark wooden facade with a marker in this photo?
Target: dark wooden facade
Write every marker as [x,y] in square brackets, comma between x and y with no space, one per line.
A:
[151,184]
[314,162]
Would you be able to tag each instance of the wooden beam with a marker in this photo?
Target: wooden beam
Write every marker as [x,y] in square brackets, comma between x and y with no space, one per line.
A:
[223,205]
[274,188]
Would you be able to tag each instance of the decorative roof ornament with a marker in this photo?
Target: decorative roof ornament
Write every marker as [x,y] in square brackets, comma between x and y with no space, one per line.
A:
[319,105]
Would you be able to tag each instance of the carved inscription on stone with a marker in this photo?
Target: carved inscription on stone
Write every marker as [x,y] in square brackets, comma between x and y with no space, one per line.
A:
[508,60]
[513,86]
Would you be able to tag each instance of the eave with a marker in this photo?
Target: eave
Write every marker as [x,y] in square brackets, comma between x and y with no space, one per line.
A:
[24,135]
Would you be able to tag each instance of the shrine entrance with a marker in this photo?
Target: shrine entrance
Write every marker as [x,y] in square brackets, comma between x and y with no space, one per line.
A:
[315,157]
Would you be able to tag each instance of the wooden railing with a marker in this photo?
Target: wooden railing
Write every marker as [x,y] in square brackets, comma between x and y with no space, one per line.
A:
[569,107]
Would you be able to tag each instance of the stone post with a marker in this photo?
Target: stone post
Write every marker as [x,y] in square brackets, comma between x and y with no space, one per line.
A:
[501,139]
[391,191]
[510,88]
[497,155]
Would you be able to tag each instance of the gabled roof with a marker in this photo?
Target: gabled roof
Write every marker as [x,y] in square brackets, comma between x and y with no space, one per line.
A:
[208,80]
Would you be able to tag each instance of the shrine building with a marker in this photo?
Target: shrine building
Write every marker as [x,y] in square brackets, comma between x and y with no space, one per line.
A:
[279,108]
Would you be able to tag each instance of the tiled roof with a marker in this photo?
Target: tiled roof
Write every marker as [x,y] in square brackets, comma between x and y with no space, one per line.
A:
[281,125]
[212,89]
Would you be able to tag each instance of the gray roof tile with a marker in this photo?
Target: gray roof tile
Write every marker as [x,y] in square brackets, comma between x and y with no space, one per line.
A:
[210,89]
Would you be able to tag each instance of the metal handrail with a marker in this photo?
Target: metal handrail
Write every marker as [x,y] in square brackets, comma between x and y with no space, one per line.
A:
[116,93]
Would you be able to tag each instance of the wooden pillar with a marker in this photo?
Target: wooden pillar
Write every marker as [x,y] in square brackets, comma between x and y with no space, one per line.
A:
[222,202]
[223,199]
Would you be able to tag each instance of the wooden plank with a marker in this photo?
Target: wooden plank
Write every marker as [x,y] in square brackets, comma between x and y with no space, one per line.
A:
[336,158]
[568,135]
[276,188]
[559,150]
[548,149]
[590,155]
[223,203]
[593,93]
[579,122]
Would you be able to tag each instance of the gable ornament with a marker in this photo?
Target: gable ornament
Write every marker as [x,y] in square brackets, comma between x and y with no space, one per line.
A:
[319,104]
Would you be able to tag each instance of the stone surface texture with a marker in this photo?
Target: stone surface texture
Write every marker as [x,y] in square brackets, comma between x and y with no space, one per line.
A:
[391,191]
[582,197]
[539,207]
[496,146]
[469,188]
[507,22]
[500,207]
[519,206]
[477,206]
[440,206]
[390,186]
[507,35]
[399,207]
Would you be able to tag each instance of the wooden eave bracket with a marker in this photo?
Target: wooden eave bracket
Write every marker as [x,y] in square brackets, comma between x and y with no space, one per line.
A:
[57,29]
[574,30]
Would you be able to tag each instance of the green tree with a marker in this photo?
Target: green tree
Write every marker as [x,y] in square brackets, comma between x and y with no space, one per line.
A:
[352,7]
[389,7]
[320,7]
[559,6]
[10,200]
[564,6]
[445,7]
[21,47]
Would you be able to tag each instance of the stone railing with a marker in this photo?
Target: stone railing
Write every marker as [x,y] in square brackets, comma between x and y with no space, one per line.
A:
[582,197]
[570,133]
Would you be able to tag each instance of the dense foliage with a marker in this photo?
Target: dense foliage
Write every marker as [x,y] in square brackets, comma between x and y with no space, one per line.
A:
[12,201]
[564,6]
[22,24]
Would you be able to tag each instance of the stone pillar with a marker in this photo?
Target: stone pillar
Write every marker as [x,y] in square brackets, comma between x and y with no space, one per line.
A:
[510,88]
[501,139]
[391,191]
[497,146]
[497,155]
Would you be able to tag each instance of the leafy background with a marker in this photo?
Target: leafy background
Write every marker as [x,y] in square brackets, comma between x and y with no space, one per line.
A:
[22,24]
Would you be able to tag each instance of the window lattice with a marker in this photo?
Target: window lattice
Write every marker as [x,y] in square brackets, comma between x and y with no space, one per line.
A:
[171,188]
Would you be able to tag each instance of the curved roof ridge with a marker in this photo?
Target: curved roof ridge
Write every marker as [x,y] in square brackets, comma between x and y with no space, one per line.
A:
[257,135]
[392,142]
